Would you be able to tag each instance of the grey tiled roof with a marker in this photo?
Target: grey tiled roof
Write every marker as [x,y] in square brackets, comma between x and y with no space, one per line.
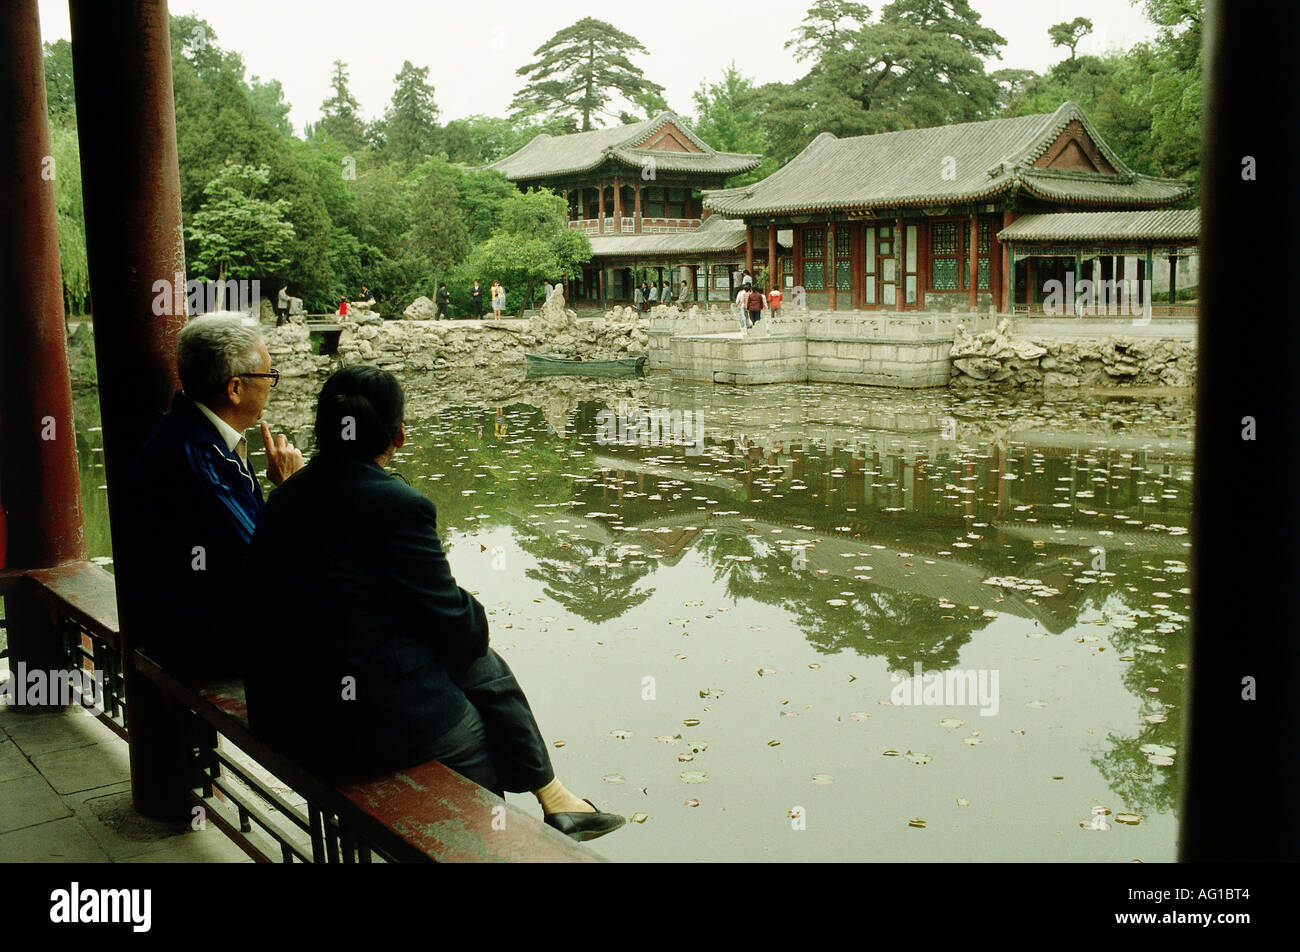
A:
[959,163]
[1171,224]
[547,155]
[715,234]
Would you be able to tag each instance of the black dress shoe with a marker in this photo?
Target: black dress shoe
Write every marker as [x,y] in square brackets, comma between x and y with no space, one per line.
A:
[585,826]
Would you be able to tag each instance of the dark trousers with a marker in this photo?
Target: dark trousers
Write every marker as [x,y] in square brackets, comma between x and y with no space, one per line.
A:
[755,316]
[498,744]
[441,313]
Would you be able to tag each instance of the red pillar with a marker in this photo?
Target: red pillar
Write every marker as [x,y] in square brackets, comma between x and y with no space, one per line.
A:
[1008,266]
[773,279]
[131,192]
[39,484]
[600,202]
[973,289]
[618,206]
[637,226]
[749,248]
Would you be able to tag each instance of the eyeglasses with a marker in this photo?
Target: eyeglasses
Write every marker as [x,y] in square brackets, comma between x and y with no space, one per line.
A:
[274,375]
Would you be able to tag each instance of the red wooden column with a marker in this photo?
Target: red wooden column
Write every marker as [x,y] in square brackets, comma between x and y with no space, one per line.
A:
[797,253]
[749,248]
[829,270]
[973,291]
[600,208]
[1007,269]
[618,206]
[773,279]
[637,187]
[122,66]
[900,261]
[41,491]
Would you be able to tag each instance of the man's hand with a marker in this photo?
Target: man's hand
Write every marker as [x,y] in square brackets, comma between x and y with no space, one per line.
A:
[283,459]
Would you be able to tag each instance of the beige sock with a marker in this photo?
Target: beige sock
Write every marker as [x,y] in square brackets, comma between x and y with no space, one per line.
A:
[555,798]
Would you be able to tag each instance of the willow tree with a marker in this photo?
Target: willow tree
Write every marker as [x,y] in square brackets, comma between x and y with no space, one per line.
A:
[578,70]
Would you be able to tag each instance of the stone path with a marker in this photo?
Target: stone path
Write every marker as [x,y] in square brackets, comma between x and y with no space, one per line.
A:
[65,797]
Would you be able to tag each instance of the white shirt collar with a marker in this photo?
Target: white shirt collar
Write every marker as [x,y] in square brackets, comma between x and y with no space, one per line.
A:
[229,434]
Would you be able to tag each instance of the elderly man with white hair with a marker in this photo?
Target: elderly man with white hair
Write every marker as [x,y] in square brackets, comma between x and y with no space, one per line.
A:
[195,499]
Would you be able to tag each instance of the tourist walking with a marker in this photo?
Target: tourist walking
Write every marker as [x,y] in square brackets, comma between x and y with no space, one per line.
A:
[754,304]
[282,306]
[476,299]
[742,305]
[684,295]
[665,293]
[498,298]
[644,291]
[442,299]
[774,301]
[653,297]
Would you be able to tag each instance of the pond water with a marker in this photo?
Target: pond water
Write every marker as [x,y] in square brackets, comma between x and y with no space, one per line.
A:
[819,622]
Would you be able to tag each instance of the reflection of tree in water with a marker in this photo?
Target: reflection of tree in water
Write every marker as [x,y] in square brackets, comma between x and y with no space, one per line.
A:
[596,592]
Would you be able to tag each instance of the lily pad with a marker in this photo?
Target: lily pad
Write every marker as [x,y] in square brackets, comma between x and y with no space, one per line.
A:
[639,817]
[773,743]
[614,778]
[691,721]
[822,778]
[859,716]
[691,802]
[694,776]
[951,722]
[620,734]
[684,756]
[559,743]
[1159,749]
[697,746]
[1131,819]
[963,802]
[669,738]
[916,822]
[889,753]
[918,758]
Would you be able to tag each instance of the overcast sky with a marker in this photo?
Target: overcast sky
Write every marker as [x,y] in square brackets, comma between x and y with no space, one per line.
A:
[474,48]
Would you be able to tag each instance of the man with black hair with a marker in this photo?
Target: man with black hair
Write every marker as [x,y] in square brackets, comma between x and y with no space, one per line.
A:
[442,299]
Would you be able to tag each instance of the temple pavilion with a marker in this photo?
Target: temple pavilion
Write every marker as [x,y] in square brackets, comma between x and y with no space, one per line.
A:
[963,216]
[636,190]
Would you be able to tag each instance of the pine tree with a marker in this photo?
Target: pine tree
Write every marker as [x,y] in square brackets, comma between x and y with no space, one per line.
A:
[339,114]
[409,130]
[577,70]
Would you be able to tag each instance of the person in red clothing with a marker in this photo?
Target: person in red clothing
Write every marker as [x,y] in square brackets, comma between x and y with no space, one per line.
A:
[774,301]
[343,307]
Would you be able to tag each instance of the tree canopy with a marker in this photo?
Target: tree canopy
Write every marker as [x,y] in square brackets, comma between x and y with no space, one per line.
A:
[577,72]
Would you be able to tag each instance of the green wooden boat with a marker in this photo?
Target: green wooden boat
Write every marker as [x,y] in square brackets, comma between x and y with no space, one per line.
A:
[623,367]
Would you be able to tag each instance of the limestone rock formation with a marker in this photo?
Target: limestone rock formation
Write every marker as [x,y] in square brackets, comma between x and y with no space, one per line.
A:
[421,309]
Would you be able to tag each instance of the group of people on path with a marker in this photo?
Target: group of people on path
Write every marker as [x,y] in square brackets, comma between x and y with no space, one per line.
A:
[751,302]
[647,294]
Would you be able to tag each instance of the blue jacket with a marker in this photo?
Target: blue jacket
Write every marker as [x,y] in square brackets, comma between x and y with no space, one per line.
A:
[352,672]
[194,506]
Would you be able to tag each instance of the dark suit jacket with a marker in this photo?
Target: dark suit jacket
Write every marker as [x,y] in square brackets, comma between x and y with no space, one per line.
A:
[348,669]
[193,507]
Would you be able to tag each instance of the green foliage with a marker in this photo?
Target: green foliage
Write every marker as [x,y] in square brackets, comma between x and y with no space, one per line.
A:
[60,94]
[723,121]
[340,114]
[828,27]
[576,71]
[409,130]
[71,220]
[533,243]
[237,233]
[268,102]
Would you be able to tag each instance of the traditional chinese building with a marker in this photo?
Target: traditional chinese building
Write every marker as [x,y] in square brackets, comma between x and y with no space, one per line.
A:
[637,191]
[927,218]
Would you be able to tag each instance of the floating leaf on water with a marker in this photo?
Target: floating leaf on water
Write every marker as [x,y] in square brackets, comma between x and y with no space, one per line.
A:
[773,743]
[972,741]
[614,778]
[692,802]
[763,671]
[1101,811]
[1157,718]
[694,776]
[1159,760]
[691,721]
[685,757]
[916,822]
[1058,776]
[669,738]
[712,692]
[822,778]
[889,753]
[1132,819]
[918,758]
[559,743]
[620,734]
[814,665]
[1036,704]
[963,802]
[1162,750]
[836,602]
[1097,824]
[697,746]
[951,722]
[639,817]
[859,716]
[789,713]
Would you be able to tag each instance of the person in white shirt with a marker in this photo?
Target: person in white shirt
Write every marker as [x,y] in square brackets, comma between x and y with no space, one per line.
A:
[653,296]
[741,295]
